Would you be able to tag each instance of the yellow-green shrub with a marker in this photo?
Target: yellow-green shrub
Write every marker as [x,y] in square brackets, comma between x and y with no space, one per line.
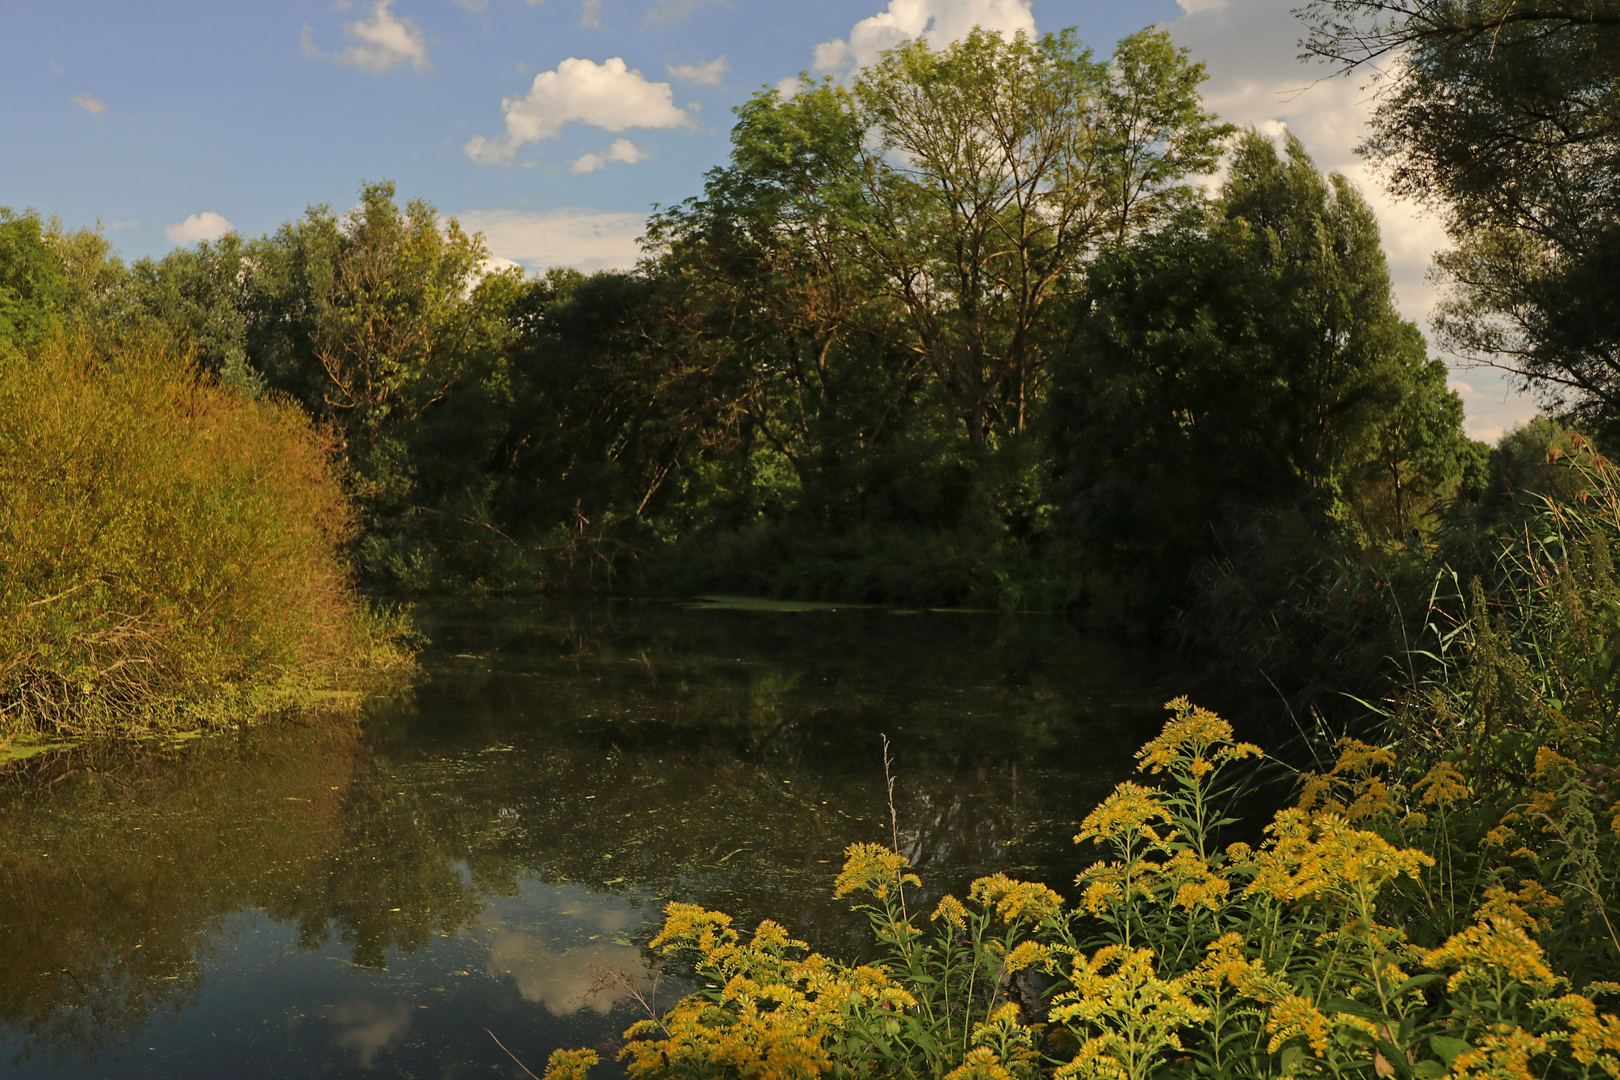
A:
[169,549]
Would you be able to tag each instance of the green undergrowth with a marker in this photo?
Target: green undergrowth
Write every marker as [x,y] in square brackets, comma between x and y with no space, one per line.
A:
[173,549]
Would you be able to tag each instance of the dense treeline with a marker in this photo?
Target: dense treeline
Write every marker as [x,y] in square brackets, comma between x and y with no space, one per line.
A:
[970,330]
[966,331]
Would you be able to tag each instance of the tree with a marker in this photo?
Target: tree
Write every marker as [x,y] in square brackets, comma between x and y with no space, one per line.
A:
[1506,118]
[1005,163]
[200,294]
[766,302]
[1247,358]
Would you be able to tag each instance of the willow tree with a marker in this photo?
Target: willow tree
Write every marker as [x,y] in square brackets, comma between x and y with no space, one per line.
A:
[1505,116]
[1001,165]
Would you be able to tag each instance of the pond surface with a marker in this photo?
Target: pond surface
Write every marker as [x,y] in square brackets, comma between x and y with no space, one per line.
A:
[483,855]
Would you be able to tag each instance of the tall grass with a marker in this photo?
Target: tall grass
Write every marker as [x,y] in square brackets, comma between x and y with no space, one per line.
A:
[171,550]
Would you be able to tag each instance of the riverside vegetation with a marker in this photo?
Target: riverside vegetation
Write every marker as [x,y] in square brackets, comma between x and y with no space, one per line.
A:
[965,331]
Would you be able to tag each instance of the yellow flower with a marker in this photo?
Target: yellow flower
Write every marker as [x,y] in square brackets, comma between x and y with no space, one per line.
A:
[692,926]
[1127,815]
[1498,837]
[1187,740]
[980,1063]
[1503,1053]
[1226,962]
[1476,951]
[1551,766]
[1593,1039]
[1194,882]
[872,868]
[1326,858]
[1442,786]
[1296,1016]
[1028,954]
[569,1064]
[951,910]
[1518,907]
[1016,900]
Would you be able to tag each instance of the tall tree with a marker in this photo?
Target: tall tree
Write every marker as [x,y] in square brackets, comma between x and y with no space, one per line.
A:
[1247,358]
[1005,163]
[1506,117]
[765,298]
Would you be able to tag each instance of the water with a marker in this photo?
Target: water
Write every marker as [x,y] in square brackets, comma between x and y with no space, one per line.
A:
[482,856]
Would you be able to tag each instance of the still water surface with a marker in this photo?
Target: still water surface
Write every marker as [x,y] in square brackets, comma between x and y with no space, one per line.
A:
[385,898]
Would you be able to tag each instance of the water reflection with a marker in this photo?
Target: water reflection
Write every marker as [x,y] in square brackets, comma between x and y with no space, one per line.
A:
[495,842]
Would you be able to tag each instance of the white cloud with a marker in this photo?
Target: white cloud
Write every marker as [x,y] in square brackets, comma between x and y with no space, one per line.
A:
[622,150]
[90,103]
[204,226]
[385,42]
[711,73]
[789,85]
[590,14]
[1250,48]
[584,239]
[607,95]
[939,21]
[1493,411]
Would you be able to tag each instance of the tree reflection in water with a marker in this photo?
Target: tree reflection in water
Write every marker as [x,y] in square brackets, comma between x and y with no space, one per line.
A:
[631,752]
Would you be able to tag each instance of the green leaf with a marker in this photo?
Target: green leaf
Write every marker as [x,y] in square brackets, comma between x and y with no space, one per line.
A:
[1355,1008]
[1448,1048]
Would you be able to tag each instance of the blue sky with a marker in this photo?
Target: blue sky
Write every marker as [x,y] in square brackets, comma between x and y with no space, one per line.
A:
[551,126]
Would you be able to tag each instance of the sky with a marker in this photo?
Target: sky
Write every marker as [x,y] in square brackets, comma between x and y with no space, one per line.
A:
[551,126]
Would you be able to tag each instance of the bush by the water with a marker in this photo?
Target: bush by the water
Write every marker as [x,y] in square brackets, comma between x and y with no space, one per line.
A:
[171,547]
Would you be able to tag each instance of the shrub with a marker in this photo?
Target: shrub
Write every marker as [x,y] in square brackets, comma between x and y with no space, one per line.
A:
[171,548]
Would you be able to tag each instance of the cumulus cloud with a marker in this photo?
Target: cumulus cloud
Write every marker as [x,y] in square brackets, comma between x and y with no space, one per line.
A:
[590,14]
[1250,48]
[384,42]
[1493,412]
[204,226]
[711,73]
[89,103]
[939,21]
[623,151]
[607,95]
[581,238]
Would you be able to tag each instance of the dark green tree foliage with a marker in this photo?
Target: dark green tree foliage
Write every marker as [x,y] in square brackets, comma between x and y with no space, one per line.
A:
[200,294]
[1006,162]
[1506,117]
[385,324]
[763,304]
[50,278]
[1250,360]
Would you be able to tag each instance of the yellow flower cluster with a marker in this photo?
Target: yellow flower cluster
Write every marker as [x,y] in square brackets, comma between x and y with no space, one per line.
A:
[569,1064]
[1327,859]
[1353,789]
[1195,740]
[874,869]
[1016,901]
[1127,816]
[1130,1015]
[772,1018]
[1494,944]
